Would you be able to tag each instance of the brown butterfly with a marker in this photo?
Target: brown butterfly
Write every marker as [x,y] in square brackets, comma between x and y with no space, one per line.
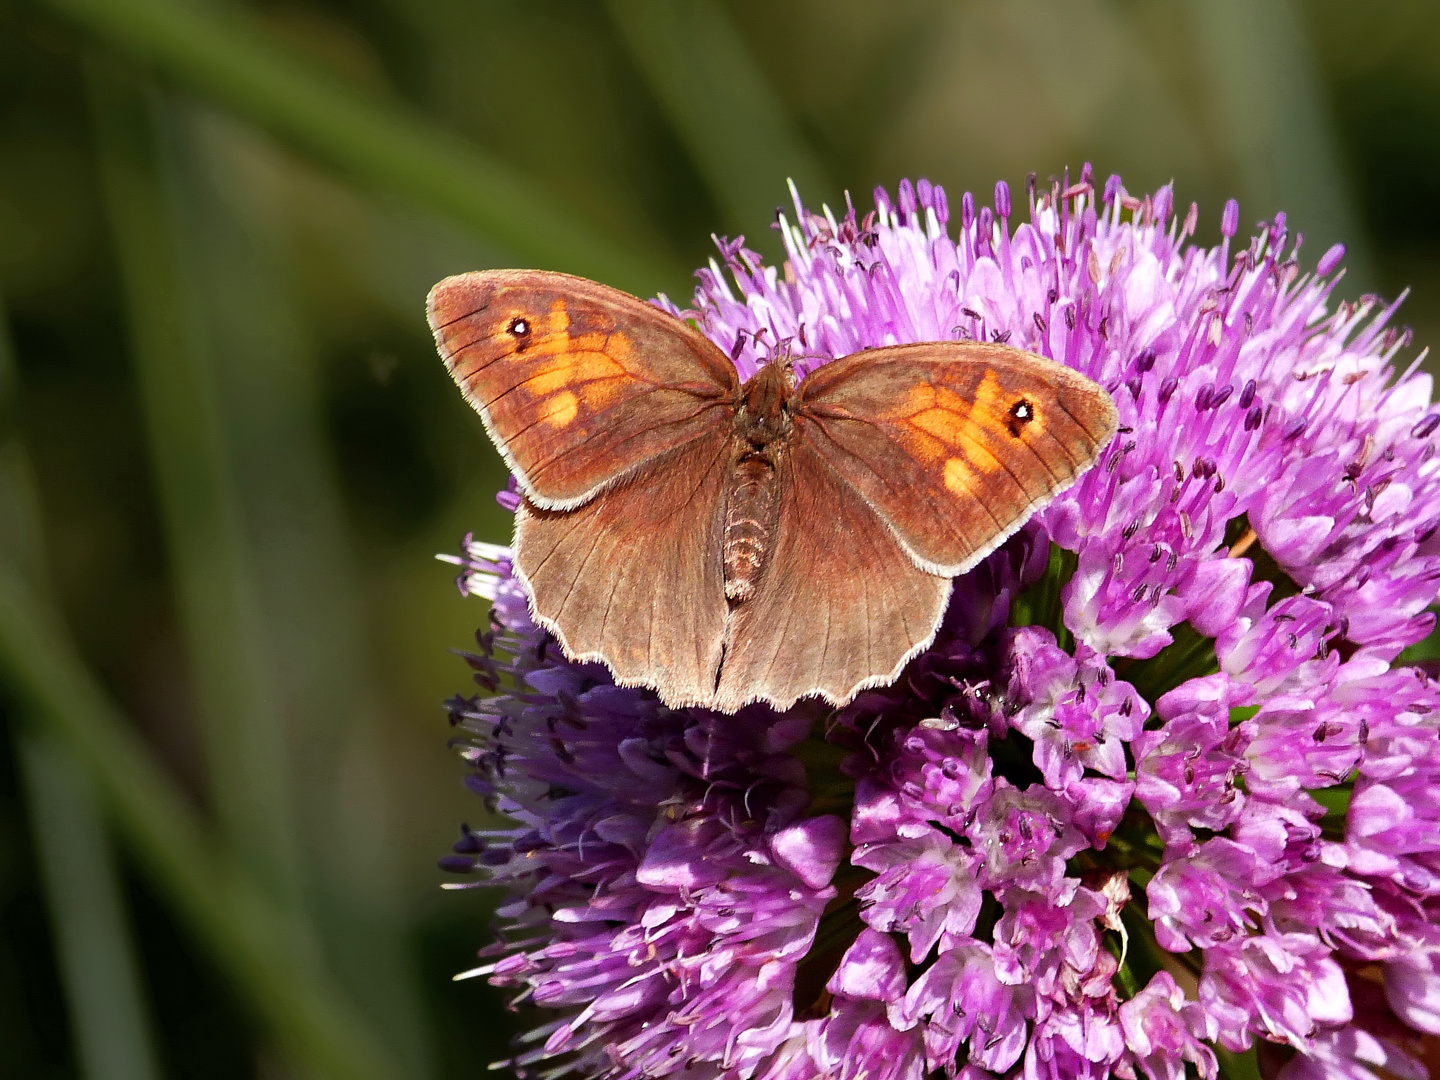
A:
[727,543]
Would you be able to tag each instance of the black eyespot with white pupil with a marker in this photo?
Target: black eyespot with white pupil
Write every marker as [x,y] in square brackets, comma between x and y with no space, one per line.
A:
[519,328]
[1022,412]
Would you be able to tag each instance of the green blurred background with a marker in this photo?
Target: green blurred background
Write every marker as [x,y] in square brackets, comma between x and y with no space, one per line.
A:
[228,452]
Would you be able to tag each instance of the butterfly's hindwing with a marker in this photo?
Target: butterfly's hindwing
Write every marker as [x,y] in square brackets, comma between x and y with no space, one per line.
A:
[633,577]
[838,605]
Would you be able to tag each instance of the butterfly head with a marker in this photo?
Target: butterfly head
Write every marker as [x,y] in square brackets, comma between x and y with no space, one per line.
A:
[762,415]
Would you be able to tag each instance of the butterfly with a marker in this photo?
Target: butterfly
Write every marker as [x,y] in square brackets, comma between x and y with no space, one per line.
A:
[725,542]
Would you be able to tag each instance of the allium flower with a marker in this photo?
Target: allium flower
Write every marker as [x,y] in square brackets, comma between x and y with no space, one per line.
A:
[1160,785]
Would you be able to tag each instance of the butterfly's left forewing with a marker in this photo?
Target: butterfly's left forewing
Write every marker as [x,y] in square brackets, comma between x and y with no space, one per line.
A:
[955,444]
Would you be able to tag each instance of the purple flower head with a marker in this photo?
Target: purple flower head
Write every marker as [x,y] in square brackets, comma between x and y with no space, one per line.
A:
[1163,785]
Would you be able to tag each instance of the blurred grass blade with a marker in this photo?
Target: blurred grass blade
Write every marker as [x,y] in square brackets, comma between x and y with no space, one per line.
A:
[108,1014]
[243,931]
[270,420]
[245,934]
[221,52]
[1266,95]
[721,106]
[21,542]
[96,960]
[216,592]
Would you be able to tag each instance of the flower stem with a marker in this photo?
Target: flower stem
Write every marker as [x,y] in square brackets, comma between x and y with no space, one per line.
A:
[1039,605]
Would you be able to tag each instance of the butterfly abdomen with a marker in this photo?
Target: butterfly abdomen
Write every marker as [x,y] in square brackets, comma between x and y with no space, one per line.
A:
[751,508]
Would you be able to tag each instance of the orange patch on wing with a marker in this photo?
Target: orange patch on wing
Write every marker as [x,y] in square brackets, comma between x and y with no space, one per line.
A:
[992,406]
[959,477]
[575,370]
[982,416]
[980,456]
[942,424]
[936,417]
[917,399]
[617,347]
[560,409]
[558,319]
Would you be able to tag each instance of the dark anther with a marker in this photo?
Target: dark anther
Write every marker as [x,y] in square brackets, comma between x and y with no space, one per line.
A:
[1253,418]
[1423,429]
[1203,396]
[1167,388]
[1221,396]
[1145,361]
[999,337]
[1069,318]
[1133,385]
[470,842]
[1247,396]
[1039,323]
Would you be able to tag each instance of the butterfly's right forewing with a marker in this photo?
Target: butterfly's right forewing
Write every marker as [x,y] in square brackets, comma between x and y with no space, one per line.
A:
[578,383]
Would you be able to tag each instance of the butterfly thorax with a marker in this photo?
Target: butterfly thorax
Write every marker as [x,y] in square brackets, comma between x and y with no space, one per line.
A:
[752,504]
